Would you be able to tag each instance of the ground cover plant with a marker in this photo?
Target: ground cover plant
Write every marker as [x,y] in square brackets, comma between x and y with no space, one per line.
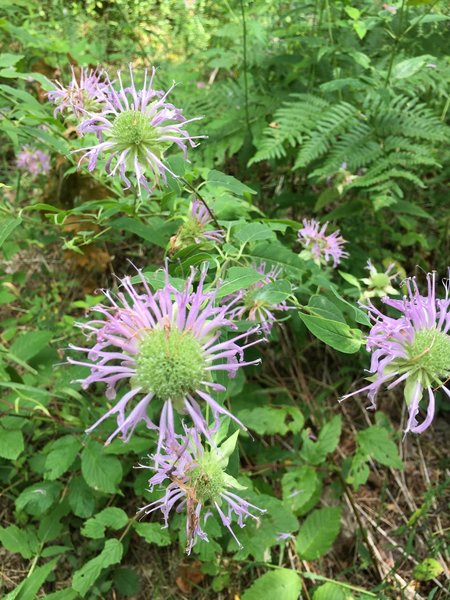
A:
[224,300]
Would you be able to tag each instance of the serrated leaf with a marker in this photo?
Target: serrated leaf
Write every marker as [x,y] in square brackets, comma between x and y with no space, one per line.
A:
[7,226]
[258,537]
[100,471]
[31,343]
[238,278]
[61,456]
[38,498]
[11,443]
[318,532]
[301,489]
[325,308]
[253,232]
[84,578]
[21,541]
[335,334]
[81,498]
[376,443]
[153,533]
[282,583]
[127,582]
[111,517]
[268,420]
[329,591]
[316,452]
[216,179]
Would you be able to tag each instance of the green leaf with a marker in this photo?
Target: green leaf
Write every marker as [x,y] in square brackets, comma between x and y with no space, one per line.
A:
[30,586]
[428,569]
[81,498]
[276,254]
[253,232]
[38,498]
[156,231]
[326,308]
[268,420]
[8,60]
[353,13]
[112,517]
[282,583]
[84,578]
[335,334]
[153,533]
[238,278]
[21,541]
[64,594]
[316,452]
[100,471]
[411,66]
[216,179]
[31,343]
[7,226]
[61,456]
[329,591]
[318,532]
[127,582]
[257,537]
[11,443]
[376,443]
[301,489]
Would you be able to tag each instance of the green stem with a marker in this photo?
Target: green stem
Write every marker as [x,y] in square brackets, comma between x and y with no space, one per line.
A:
[396,45]
[244,48]
[202,200]
[19,178]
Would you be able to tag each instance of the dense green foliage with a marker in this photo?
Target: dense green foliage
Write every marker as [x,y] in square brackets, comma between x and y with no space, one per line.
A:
[326,109]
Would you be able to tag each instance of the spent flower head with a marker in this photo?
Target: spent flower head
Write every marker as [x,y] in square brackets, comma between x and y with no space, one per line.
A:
[412,348]
[379,284]
[84,94]
[320,247]
[135,128]
[35,162]
[259,302]
[197,228]
[166,345]
[198,484]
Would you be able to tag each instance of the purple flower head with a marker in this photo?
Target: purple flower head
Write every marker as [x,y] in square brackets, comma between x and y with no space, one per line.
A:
[259,301]
[83,94]
[413,348]
[167,345]
[197,228]
[198,482]
[34,161]
[379,284]
[135,129]
[321,247]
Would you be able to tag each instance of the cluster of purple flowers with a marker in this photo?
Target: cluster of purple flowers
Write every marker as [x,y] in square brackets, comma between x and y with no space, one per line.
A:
[134,126]
[412,348]
[35,162]
[321,247]
[168,345]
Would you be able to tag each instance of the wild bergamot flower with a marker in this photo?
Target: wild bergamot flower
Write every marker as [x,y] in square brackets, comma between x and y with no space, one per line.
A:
[35,162]
[379,284]
[259,301]
[197,228]
[198,482]
[83,94]
[167,344]
[135,128]
[413,348]
[321,247]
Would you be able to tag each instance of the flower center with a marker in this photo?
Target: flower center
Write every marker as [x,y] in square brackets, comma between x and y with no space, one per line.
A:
[380,280]
[430,351]
[208,480]
[133,128]
[170,363]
